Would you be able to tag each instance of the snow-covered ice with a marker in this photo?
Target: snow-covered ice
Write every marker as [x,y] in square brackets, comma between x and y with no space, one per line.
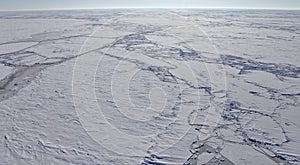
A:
[155,86]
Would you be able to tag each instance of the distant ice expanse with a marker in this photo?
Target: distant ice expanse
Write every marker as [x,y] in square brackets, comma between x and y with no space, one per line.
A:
[150,87]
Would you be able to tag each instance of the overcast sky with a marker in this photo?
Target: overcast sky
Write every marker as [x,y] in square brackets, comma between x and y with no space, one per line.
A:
[69,4]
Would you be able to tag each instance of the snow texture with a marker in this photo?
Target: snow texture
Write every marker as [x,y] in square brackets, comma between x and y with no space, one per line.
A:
[150,87]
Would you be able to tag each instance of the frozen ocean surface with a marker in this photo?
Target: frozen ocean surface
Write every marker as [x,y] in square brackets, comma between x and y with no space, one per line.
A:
[150,87]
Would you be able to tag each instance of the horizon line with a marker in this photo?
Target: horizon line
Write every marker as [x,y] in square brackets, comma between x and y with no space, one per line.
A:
[112,8]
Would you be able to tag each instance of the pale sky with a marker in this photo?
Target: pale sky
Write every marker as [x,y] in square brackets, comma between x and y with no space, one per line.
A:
[71,4]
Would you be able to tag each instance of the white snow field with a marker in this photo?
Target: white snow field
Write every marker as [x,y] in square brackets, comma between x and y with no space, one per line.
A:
[155,86]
